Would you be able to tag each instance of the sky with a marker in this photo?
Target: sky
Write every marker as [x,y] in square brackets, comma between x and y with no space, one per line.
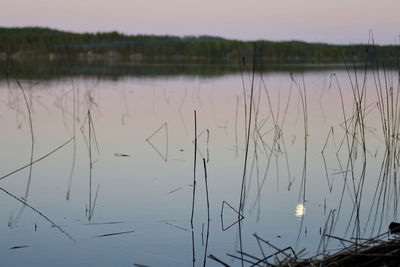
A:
[334,21]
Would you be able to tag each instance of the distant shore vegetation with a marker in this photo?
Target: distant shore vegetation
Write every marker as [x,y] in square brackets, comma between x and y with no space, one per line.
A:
[34,42]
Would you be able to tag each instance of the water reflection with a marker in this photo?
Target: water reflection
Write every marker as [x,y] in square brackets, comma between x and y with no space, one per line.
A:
[57,69]
[151,195]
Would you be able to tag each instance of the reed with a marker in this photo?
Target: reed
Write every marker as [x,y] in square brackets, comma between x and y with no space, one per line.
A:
[208,213]
[194,188]
[194,169]
[74,119]
[39,213]
[242,189]
[164,155]
[91,139]
[236,127]
[32,137]
[37,160]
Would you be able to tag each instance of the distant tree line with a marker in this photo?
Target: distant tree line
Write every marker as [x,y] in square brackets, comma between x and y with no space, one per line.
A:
[34,41]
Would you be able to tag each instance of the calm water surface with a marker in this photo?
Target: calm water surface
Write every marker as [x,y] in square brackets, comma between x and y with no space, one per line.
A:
[134,205]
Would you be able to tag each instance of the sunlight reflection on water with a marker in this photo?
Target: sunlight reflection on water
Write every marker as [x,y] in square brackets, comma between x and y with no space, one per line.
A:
[300,210]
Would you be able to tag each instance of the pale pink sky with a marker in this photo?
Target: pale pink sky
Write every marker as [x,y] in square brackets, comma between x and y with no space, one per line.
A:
[335,21]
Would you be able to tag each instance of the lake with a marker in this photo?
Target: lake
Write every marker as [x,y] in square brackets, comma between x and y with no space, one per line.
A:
[321,163]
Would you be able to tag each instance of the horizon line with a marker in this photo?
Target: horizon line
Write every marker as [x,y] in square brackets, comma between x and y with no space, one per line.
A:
[197,36]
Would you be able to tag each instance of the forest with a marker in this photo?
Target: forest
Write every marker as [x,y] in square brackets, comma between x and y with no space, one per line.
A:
[27,42]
